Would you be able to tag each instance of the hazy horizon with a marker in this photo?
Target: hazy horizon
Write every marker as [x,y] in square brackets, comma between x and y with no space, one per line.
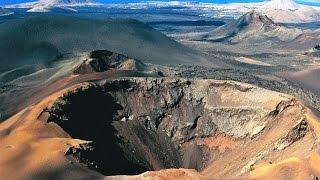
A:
[307,2]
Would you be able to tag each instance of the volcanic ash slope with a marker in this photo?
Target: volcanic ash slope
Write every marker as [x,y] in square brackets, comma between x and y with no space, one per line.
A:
[45,39]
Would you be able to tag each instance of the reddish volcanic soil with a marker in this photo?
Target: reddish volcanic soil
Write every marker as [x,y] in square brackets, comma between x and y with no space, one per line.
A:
[101,125]
[308,78]
[242,132]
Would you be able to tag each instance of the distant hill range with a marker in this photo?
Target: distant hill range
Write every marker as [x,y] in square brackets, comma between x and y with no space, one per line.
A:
[281,11]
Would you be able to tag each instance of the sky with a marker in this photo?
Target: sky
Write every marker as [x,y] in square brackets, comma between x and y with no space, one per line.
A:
[308,2]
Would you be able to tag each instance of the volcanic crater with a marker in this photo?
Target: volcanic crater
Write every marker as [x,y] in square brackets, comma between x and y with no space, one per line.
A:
[144,124]
[98,122]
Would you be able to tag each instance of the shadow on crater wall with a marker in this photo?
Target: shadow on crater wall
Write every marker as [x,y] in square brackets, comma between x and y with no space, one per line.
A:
[88,115]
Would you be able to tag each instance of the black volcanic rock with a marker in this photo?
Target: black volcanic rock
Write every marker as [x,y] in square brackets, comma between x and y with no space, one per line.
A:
[104,60]
[255,17]
[100,54]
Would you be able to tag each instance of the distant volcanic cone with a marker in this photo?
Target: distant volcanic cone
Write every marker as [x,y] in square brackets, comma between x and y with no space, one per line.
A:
[252,28]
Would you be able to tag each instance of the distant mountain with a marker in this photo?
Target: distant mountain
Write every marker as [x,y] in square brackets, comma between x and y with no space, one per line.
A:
[252,27]
[58,2]
[5,12]
[284,5]
[289,11]
[50,5]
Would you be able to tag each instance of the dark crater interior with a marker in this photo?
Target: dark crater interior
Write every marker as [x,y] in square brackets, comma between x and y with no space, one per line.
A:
[129,128]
